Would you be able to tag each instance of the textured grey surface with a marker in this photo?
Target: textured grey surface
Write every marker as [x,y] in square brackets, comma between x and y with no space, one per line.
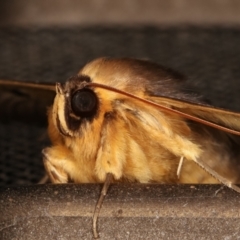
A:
[131,211]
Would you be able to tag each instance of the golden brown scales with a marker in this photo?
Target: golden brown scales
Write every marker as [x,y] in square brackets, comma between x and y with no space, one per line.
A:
[132,140]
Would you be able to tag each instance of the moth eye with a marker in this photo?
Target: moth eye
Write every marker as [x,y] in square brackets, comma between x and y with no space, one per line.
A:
[84,103]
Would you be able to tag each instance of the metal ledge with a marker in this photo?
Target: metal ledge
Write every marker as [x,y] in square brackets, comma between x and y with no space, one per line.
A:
[130,211]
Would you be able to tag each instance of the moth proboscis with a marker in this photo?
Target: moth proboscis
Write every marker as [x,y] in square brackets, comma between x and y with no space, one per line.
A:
[129,120]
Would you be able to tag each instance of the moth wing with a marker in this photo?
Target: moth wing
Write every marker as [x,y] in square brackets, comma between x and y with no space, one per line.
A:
[222,117]
[221,157]
[25,101]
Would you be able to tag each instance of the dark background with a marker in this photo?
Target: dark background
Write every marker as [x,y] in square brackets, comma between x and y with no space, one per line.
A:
[51,42]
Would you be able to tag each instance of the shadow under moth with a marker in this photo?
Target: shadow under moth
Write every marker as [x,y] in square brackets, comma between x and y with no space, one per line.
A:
[129,120]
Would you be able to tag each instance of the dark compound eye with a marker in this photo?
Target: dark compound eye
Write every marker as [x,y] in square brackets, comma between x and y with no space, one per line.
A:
[84,103]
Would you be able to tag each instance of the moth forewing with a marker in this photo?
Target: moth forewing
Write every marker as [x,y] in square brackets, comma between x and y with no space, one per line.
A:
[221,117]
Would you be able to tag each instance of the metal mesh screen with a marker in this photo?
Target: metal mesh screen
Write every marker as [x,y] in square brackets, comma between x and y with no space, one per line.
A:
[20,148]
[208,57]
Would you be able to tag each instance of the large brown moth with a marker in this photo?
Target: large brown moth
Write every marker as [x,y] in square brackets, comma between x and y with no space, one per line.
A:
[129,120]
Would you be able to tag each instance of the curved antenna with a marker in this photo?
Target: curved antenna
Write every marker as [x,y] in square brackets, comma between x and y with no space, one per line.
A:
[185,115]
[35,85]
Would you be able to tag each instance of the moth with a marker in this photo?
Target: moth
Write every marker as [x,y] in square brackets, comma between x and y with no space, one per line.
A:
[131,120]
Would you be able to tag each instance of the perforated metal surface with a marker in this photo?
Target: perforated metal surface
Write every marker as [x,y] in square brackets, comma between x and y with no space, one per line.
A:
[21,146]
[209,57]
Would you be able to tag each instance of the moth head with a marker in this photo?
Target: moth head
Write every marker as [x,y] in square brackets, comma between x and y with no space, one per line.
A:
[75,105]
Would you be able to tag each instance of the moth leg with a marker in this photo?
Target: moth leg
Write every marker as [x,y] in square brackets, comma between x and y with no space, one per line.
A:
[106,185]
[54,166]
[217,176]
[180,166]
[44,179]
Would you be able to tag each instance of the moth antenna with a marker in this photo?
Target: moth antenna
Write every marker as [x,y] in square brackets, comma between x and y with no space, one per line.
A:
[180,167]
[214,174]
[106,185]
[188,116]
[35,85]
